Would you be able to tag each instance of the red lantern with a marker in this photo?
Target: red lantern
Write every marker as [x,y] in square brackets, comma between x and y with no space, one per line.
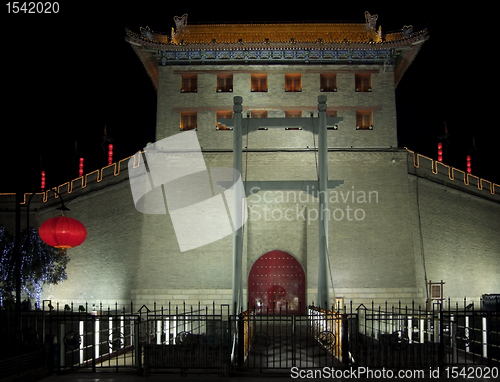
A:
[469,165]
[63,232]
[440,152]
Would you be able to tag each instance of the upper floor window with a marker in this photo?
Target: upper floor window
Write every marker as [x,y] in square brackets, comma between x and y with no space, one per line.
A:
[293,83]
[189,83]
[293,114]
[328,82]
[259,82]
[364,120]
[189,120]
[363,82]
[222,114]
[331,113]
[224,82]
[258,114]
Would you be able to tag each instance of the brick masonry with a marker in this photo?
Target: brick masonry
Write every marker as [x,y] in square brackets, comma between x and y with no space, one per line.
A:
[206,101]
[394,221]
[375,255]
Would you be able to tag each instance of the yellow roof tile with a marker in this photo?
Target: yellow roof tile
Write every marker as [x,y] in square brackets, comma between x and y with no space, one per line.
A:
[230,33]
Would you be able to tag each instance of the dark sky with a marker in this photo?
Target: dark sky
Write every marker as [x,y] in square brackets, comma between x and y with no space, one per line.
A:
[67,75]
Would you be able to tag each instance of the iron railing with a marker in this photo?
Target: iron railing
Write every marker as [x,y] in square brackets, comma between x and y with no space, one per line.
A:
[200,338]
[186,339]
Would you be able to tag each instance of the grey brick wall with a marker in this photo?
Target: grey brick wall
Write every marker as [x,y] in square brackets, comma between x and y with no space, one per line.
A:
[276,101]
[460,239]
[104,267]
[385,210]
[375,251]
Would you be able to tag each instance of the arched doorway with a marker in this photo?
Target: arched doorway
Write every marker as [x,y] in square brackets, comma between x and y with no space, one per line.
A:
[277,283]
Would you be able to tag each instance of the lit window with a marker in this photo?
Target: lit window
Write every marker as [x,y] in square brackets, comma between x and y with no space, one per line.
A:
[328,82]
[259,82]
[293,114]
[331,113]
[189,83]
[189,120]
[293,83]
[258,114]
[222,114]
[224,82]
[364,120]
[363,82]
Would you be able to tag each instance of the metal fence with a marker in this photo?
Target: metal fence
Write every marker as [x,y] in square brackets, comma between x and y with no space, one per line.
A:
[413,337]
[207,339]
[471,337]
[186,339]
[280,341]
[72,337]
[396,337]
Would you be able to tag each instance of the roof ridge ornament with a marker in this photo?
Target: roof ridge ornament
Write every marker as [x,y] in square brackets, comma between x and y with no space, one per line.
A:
[407,30]
[180,22]
[146,32]
[371,20]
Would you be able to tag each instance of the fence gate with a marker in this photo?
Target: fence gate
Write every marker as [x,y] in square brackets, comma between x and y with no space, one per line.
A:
[187,340]
[280,342]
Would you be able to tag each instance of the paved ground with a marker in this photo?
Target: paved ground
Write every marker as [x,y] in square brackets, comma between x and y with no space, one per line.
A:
[125,377]
[128,377]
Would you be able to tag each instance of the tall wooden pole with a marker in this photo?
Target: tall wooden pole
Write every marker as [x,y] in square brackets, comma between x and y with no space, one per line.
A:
[324,215]
[238,210]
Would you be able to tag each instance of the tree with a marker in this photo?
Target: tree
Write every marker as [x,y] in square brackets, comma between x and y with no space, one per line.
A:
[41,264]
[6,264]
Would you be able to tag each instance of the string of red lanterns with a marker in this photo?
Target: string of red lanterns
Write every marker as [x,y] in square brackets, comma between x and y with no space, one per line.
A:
[110,154]
[440,158]
[80,167]
[440,152]
[42,181]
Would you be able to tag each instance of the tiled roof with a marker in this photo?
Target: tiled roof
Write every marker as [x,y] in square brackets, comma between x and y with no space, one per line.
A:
[249,34]
[324,43]
[252,33]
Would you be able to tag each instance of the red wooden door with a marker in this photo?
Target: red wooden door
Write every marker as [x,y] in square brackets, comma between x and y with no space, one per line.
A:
[277,283]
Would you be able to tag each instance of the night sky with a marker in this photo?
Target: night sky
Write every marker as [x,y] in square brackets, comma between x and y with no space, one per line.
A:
[66,76]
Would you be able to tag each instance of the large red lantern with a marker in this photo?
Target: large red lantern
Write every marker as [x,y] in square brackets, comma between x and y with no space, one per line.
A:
[63,232]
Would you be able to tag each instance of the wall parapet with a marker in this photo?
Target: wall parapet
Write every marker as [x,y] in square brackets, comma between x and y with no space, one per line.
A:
[450,176]
[422,166]
[95,180]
